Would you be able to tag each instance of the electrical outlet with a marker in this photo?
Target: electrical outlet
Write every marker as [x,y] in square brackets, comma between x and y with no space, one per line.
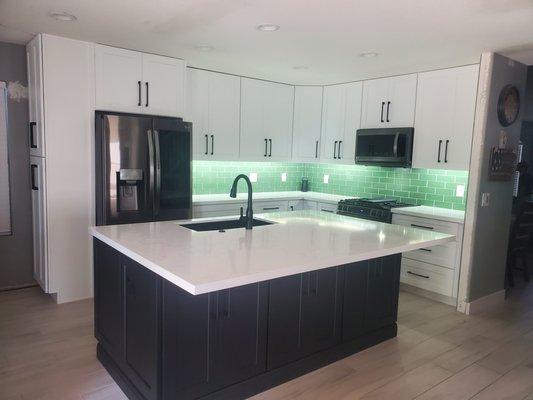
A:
[460,191]
[485,199]
[253,176]
[326,179]
[284,177]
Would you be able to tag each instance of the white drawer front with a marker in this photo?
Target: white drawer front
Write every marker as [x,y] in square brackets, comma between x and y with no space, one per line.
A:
[426,223]
[429,277]
[442,255]
[327,207]
[261,207]
[217,210]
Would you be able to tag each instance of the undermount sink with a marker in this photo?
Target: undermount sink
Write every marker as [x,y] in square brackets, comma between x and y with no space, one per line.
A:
[223,225]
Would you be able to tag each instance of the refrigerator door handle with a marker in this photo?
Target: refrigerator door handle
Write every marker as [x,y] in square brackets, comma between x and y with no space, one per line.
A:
[151,161]
[157,193]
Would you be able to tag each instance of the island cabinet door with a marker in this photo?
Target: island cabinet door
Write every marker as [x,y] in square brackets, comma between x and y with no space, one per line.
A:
[383,286]
[304,315]
[108,299]
[141,339]
[354,302]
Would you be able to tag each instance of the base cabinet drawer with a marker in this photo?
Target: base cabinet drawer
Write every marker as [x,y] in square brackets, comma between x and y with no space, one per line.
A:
[441,255]
[429,277]
[217,210]
[327,207]
[261,207]
[426,223]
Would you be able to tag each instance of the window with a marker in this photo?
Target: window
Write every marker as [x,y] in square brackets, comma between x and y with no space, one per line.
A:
[5,208]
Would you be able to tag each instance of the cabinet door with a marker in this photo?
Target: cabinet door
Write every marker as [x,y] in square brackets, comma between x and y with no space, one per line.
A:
[197,111]
[240,333]
[375,94]
[321,305]
[400,107]
[185,344]
[307,123]
[118,79]
[270,206]
[163,81]
[254,142]
[354,303]
[383,285]
[223,117]
[352,122]
[109,299]
[445,108]
[141,341]
[333,121]
[277,120]
[35,96]
[40,232]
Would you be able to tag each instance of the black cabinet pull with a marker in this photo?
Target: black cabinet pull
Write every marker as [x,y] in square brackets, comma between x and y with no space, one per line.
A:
[440,145]
[329,211]
[388,108]
[32,135]
[335,149]
[382,105]
[206,145]
[339,156]
[270,141]
[446,151]
[316,149]
[270,208]
[147,90]
[33,185]
[212,144]
[422,226]
[415,274]
[266,147]
[139,94]
[426,250]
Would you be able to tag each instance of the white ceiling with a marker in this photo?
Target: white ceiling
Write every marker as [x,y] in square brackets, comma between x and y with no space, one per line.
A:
[326,36]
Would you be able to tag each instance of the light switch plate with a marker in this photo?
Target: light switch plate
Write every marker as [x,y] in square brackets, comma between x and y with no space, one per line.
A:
[460,191]
[284,177]
[485,199]
[253,176]
[326,178]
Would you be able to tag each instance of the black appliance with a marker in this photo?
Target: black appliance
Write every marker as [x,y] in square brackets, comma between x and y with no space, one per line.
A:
[143,168]
[372,209]
[386,147]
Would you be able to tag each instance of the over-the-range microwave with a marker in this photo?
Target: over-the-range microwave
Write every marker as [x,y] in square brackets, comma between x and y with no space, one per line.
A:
[386,147]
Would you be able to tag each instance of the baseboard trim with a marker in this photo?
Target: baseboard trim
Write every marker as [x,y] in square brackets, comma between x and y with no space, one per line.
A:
[485,303]
[451,301]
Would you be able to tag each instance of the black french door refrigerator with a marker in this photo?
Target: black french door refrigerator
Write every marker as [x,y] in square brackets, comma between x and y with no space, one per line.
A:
[143,168]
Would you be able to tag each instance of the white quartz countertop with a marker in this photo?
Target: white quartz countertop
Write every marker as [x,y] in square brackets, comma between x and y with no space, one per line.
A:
[198,199]
[442,214]
[298,241]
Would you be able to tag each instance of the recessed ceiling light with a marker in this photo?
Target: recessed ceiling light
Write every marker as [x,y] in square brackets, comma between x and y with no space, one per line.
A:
[204,47]
[300,67]
[62,16]
[268,27]
[370,54]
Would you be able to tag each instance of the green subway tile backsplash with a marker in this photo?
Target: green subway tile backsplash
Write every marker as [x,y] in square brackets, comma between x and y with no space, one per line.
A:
[416,186]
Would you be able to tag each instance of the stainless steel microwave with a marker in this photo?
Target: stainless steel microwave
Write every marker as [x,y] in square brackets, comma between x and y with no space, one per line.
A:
[386,147]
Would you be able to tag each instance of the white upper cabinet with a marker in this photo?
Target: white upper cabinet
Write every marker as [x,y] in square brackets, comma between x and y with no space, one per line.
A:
[129,81]
[341,115]
[445,108]
[307,123]
[213,107]
[35,97]
[266,120]
[163,79]
[389,102]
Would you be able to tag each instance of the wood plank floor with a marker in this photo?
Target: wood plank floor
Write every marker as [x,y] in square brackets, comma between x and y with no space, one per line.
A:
[47,351]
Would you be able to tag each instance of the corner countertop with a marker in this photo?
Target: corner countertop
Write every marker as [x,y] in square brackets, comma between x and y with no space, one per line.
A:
[199,199]
[441,214]
[296,242]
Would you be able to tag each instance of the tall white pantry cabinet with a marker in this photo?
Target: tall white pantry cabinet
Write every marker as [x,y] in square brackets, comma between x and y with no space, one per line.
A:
[61,98]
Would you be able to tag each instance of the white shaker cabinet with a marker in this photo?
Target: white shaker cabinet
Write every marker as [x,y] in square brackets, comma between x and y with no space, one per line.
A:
[213,107]
[389,102]
[445,109]
[266,120]
[307,123]
[341,115]
[35,97]
[38,203]
[130,81]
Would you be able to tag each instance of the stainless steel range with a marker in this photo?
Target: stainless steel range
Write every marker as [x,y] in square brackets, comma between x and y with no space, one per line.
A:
[373,209]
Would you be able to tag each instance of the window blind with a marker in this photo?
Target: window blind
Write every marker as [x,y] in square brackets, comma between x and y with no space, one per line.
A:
[5,206]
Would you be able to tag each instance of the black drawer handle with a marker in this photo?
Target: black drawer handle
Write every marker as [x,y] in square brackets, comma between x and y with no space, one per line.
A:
[32,135]
[270,141]
[426,250]
[206,145]
[422,226]
[316,149]
[446,151]
[33,184]
[270,208]
[339,156]
[139,95]
[335,149]
[147,90]
[419,275]
[266,148]
[212,144]
[329,211]
[382,105]
[388,108]
[440,145]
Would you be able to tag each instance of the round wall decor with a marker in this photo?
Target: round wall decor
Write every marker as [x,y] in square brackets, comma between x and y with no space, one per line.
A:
[508,105]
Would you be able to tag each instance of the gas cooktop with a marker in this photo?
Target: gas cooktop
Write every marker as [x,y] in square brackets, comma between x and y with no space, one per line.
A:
[378,209]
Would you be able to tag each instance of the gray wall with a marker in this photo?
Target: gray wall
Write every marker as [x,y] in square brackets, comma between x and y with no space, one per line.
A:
[487,228]
[16,251]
